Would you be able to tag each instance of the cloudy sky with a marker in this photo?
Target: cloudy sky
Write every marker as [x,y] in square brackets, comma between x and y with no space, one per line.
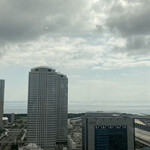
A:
[102,45]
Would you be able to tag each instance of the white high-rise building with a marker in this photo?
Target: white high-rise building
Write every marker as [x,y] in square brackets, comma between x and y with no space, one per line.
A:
[2,86]
[47,89]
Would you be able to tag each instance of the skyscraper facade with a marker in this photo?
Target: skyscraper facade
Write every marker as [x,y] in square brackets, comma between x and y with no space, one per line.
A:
[110,132]
[62,108]
[2,86]
[47,107]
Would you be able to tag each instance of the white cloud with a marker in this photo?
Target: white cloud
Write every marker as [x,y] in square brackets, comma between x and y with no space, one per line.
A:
[71,53]
[92,34]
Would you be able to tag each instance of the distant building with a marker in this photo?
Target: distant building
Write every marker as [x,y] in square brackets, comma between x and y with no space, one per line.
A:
[71,143]
[2,86]
[47,107]
[5,121]
[75,141]
[107,131]
[12,118]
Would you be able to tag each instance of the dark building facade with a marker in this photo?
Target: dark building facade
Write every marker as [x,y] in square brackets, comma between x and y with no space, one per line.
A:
[2,87]
[107,132]
[111,137]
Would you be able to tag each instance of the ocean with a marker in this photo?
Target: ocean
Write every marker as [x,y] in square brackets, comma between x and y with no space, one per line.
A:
[82,106]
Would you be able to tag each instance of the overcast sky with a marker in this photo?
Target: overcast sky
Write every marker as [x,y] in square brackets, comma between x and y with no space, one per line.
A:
[102,45]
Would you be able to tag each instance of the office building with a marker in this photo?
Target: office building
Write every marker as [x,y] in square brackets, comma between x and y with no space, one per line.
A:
[12,119]
[109,132]
[2,86]
[5,121]
[62,108]
[47,107]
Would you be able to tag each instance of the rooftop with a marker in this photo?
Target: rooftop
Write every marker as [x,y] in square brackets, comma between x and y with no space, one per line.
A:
[43,67]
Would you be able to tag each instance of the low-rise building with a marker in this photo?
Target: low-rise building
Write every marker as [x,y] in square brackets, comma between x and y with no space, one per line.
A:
[107,131]
[12,118]
[75,134]
[75,141]
[5,121]
[32,146]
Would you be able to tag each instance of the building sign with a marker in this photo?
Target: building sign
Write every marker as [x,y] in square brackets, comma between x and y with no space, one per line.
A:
[110,126]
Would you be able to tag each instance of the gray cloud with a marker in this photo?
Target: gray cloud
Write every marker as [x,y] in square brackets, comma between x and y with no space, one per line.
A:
[138,45]
[131,21]
[26,20]
[27,27]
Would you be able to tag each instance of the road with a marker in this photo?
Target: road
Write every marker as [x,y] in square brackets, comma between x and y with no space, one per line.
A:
[142,136]
[11,138]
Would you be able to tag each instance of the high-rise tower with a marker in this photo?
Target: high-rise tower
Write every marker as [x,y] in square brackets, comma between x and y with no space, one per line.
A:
[47,89]
[62,108]
[2,86]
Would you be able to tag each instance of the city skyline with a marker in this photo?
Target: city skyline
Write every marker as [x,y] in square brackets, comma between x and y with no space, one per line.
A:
[76,105]
[74,74]
[102,54]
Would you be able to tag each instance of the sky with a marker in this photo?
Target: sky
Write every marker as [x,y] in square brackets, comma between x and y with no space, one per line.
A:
[103,47]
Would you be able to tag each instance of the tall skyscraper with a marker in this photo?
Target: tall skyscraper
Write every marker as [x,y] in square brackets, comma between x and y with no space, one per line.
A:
[107,132]
[2,86]
[47,107]
[62,108]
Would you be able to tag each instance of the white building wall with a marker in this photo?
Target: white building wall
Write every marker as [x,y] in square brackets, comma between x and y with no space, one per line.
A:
[71,143]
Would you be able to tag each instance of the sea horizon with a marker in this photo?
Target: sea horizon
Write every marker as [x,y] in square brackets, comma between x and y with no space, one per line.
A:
[142,108]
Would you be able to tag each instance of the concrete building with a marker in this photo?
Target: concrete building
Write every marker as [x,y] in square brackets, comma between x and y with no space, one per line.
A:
[2,86]
[71,143]
[5,121]
[75,141]
[32,146]
[75,133]
[62,108]
[110,132]
[47,107]
[12,118]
